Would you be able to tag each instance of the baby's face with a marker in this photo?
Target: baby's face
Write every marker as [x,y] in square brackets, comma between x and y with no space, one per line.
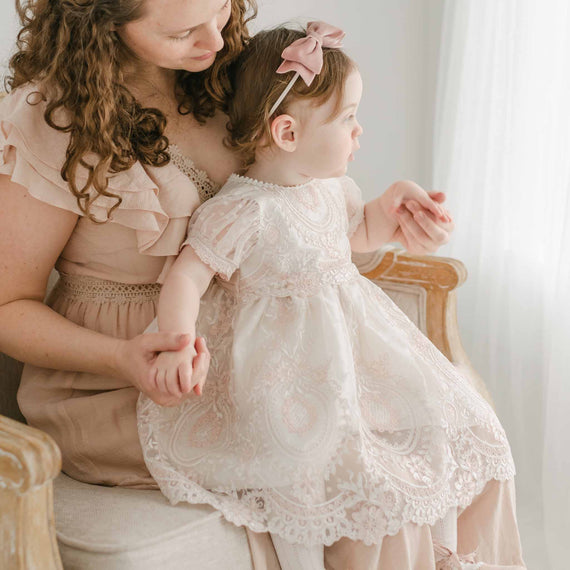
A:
[325,147]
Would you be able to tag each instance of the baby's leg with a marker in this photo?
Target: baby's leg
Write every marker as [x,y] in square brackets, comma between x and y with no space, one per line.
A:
[444,535]
[444,531]
[298,556]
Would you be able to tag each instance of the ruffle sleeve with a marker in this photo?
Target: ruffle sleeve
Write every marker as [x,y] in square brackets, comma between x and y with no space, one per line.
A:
[223,231]
[156,202]
[354,204]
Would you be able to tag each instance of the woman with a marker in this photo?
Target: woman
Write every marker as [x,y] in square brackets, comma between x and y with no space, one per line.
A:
[108,100]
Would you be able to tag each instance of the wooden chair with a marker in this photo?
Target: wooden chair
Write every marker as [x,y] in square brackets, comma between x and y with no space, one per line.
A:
[30,461]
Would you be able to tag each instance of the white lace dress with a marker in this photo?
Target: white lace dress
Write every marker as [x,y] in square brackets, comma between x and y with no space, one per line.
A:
[326,412]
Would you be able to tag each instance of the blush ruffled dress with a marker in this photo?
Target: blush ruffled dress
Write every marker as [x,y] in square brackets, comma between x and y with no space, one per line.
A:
[108,277]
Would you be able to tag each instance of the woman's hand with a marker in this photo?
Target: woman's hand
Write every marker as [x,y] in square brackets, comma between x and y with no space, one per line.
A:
[420,232]
[135,360]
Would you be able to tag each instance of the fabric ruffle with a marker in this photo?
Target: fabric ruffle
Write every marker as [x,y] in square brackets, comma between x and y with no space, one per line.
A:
[156,201]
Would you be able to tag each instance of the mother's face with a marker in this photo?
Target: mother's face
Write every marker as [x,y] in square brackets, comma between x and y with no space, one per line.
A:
[178,34]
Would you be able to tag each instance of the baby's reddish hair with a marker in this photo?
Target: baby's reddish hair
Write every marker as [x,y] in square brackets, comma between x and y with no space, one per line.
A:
[257,86]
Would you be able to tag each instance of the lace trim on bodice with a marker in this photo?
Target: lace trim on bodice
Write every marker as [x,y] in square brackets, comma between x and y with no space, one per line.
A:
[206,187]
[306,284]
[94,290]
[270,185]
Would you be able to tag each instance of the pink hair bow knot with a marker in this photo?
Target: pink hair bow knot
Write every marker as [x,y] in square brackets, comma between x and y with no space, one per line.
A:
[305,55]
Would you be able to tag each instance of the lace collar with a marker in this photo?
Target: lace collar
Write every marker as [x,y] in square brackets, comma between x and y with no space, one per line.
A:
[262,184]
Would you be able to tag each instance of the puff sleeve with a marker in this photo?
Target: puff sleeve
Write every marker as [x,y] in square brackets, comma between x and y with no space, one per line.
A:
[354,204]
[155,202]
[31,151]
[223,231]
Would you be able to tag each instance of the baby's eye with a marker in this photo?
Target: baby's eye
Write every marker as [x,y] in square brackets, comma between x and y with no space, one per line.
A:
[351,117]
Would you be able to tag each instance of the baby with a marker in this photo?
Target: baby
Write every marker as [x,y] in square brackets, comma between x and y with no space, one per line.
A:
[326,415]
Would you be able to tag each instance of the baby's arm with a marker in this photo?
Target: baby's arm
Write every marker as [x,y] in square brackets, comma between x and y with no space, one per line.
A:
[178,307]
[380,223]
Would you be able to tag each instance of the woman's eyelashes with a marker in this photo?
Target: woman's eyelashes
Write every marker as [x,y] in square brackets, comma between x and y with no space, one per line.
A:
[184,36]
[189,32]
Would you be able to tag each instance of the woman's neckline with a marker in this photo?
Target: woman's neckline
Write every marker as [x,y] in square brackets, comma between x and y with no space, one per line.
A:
[205,186]
[174,149]
[263,184]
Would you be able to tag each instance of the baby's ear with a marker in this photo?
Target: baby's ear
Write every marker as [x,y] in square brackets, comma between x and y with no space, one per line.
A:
[284,132]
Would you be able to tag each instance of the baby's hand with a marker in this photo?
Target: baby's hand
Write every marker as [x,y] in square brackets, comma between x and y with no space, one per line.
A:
[173,375]
[423,224]
[405,193]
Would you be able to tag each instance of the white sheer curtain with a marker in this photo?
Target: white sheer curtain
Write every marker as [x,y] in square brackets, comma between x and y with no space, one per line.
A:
[502,152]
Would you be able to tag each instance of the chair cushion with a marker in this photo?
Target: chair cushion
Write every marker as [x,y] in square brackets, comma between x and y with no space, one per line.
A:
[113,528]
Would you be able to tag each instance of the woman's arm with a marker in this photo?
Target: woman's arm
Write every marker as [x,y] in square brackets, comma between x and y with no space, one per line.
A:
[405,213]
[32,236]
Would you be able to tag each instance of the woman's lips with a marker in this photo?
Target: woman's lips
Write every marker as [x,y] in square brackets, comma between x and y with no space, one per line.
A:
[205,56]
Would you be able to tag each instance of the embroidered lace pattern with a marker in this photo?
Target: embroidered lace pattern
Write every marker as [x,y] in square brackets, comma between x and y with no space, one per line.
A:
[326,412]
[206,188]
[91,289]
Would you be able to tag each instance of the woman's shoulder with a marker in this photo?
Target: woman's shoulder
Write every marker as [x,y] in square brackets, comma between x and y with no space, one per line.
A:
[25,108]
[28,96]
[22,115]
[31,152]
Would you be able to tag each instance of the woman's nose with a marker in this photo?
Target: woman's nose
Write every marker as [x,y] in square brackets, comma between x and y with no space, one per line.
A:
[212,39]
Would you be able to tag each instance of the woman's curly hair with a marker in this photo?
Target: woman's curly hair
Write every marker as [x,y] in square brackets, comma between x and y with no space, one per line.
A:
[71,49]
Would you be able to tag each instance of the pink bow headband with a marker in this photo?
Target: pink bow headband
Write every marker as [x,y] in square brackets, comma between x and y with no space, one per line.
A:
[305,55]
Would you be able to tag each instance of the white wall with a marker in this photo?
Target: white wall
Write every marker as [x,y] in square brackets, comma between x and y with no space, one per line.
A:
[395,43]
[8,32]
